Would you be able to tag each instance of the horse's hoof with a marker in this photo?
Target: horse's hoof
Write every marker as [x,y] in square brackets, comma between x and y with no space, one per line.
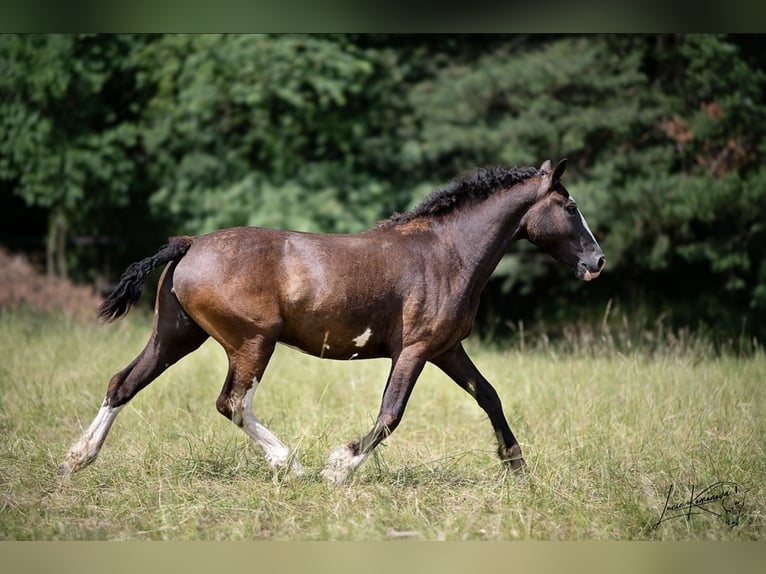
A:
[334,476]
[518,465]
[341,464]
[512,457]
[69,466]
[294,471]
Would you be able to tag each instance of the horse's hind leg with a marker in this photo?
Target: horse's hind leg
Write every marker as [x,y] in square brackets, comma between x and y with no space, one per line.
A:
[246,367]
[174,335]
[460,368]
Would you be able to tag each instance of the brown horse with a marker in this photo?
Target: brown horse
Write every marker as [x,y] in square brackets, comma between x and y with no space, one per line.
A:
[407,289]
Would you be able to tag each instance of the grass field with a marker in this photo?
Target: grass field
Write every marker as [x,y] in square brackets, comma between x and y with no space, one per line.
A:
[606,435]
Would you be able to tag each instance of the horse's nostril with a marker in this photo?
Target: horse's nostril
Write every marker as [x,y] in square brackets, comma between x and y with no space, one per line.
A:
[601,262]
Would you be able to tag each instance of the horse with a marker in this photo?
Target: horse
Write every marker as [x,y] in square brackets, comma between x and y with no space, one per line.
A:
[407,289]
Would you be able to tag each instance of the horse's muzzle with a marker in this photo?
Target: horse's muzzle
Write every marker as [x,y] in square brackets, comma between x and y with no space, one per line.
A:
[588,276]
[589,270]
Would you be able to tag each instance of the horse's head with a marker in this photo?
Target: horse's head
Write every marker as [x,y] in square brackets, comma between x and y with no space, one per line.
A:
[556,226]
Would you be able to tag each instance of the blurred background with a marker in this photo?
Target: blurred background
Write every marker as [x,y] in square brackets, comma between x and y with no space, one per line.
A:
[111,143]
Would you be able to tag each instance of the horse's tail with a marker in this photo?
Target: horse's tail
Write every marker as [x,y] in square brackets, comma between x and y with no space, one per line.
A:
[128,290]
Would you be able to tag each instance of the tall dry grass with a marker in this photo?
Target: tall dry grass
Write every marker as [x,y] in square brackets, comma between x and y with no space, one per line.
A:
[606,431]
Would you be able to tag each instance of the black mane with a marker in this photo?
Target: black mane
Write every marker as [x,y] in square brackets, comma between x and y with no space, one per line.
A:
[478,184]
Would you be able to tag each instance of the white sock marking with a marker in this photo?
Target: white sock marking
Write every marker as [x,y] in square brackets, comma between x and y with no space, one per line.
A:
[341,463]
[85,450]
[276,452]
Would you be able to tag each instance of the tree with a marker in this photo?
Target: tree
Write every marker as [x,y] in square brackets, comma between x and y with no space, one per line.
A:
[283,131]
[67,137]
[665,135]
[140,137]
[519,104]
[687,222]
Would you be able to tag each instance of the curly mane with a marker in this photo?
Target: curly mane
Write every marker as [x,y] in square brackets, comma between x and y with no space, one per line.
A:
[477,184]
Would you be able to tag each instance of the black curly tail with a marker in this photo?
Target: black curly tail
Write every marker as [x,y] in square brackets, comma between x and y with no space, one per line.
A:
[128,290]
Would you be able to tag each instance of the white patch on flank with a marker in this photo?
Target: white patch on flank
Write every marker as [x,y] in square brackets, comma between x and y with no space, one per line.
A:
[276,452]
[325,346]
[362,339]
[85,450]
[341,463]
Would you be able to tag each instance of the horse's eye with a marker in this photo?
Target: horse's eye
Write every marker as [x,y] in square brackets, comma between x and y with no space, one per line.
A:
[571,209]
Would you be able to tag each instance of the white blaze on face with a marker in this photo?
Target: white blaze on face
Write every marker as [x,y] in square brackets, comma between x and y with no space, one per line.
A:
[362,339]
[588,274]
[584,223]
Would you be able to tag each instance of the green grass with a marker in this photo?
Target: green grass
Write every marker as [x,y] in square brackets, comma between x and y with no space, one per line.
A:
[604,433]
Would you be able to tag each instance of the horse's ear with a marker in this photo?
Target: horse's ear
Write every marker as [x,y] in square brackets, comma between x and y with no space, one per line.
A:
[559,171]
[546,181]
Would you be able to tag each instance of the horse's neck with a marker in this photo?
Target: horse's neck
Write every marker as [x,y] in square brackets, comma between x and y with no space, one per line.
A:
[482,233]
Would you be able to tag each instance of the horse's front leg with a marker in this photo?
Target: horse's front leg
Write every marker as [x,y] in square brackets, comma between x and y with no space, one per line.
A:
[459,367]
[345,459]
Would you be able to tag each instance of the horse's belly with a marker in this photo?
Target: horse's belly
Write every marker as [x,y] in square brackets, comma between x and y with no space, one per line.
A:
[342,343]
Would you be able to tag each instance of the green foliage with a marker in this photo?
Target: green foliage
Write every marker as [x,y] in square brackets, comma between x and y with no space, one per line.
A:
[68,140]
[138,137]
[682,210]
[521,106]
[259,130]
[60,140]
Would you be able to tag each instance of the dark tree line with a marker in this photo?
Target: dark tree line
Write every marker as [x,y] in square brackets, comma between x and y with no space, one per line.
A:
[111,143]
